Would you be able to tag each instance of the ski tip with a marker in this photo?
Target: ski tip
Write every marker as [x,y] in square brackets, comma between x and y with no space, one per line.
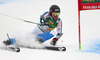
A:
[18,50]
[62,49]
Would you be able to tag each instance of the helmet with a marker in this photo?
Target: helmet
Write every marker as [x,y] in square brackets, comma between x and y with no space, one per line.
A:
[54,8]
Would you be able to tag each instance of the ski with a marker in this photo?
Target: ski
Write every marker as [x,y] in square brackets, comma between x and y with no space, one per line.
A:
[56,48]
[15,49]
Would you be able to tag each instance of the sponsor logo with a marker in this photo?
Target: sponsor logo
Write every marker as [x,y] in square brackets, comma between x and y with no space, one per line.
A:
[50,22]
[56,9]
[90,1]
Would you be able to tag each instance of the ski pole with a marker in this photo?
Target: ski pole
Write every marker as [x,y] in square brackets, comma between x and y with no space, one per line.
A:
[23,19]
[8,36]
[18,18]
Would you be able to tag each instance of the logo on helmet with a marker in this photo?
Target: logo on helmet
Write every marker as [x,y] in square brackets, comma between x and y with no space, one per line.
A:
[56,9]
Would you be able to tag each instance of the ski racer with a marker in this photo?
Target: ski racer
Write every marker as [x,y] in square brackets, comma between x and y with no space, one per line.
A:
[45,28]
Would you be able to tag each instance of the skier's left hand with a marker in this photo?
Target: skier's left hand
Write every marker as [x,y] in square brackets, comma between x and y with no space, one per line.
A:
[54,41]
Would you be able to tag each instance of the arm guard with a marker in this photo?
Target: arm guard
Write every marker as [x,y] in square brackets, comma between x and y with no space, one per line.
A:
[43,20]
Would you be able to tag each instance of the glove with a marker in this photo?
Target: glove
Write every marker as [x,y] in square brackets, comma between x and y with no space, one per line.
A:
[54,41]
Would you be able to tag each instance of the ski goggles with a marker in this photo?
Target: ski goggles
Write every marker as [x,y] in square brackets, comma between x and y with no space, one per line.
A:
[55,13]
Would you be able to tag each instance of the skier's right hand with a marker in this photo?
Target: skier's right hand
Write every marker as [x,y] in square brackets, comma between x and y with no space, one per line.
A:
[54,41]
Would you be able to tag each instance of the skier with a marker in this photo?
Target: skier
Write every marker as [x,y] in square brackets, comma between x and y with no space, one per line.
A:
[45,29]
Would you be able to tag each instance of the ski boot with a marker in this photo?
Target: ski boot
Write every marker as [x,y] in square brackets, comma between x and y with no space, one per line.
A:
[9,41]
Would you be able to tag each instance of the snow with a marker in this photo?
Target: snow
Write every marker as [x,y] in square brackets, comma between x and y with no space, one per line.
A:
[31,10]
